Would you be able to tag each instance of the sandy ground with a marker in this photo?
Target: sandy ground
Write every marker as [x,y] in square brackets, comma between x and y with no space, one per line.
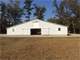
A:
[39,48]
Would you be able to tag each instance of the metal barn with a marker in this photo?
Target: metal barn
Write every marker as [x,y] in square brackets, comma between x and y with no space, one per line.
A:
[37,27]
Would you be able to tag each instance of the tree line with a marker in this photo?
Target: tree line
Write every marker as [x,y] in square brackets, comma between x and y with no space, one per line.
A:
[67,13]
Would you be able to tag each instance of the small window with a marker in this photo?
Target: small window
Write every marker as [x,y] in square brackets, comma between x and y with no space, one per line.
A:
[13,30]
[59,29]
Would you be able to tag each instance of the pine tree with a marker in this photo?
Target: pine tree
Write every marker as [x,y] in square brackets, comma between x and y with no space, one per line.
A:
[28,8]
[39,12]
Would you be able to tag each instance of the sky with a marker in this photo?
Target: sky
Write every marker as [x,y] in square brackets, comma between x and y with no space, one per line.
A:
[50,10]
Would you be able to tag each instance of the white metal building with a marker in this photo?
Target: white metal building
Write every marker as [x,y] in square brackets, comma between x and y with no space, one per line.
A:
[37,27]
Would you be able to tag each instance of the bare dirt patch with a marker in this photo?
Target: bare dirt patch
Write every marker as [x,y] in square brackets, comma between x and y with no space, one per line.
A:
[37,48]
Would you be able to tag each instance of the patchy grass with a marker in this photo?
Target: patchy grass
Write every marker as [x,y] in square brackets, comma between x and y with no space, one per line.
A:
[37,48]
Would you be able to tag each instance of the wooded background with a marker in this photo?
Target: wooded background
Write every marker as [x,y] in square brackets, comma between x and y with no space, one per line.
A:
[67,13]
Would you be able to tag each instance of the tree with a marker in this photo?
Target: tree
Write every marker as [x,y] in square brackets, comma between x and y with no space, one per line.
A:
[28,8]
[14,12]
[74,6]
[39,12]
[10,15]
[3,18]
[69,13]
